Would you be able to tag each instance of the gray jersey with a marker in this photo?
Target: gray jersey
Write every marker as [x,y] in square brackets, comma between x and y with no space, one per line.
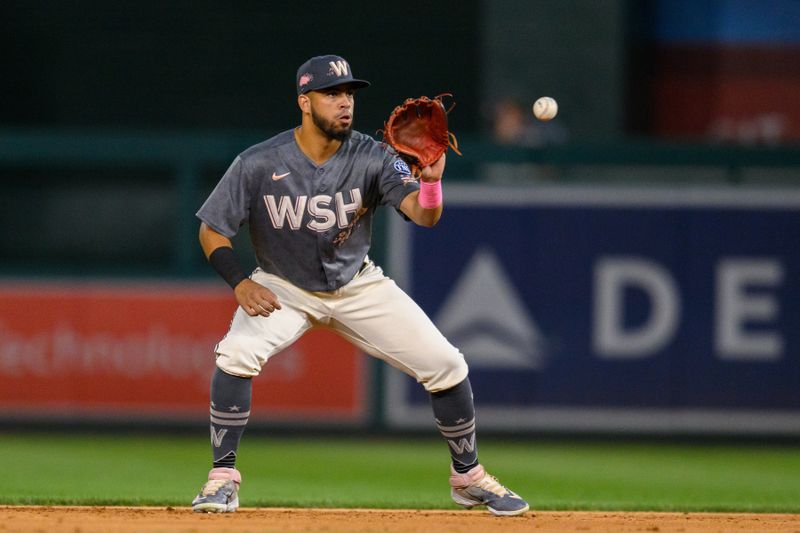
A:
[309,224]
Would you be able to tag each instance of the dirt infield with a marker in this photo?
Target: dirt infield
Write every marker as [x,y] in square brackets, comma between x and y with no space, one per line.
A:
[17,519]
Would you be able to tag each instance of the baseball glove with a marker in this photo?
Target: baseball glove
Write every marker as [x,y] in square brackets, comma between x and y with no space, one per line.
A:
[417,130]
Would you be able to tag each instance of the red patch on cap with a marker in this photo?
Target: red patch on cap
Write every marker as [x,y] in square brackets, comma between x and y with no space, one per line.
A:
[305,79]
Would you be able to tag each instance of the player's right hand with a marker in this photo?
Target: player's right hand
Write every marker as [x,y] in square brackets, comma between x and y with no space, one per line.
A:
[255,299]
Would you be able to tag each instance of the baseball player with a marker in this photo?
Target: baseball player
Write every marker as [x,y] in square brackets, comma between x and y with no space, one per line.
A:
[308,196]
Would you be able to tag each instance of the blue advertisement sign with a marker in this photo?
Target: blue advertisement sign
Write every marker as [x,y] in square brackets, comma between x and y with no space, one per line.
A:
[612,309]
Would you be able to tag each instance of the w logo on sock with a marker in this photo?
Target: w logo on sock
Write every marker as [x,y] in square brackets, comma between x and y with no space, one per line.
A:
[217,436]
[463,445]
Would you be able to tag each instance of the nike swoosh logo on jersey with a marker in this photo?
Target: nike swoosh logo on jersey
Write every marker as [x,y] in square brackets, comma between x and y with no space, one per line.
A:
[277,177]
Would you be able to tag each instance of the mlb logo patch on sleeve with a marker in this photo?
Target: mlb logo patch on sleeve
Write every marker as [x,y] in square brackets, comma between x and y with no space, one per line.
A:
[402,167]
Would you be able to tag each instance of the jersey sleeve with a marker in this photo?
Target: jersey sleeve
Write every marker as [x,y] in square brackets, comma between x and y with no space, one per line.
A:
[395,181]
[228,206]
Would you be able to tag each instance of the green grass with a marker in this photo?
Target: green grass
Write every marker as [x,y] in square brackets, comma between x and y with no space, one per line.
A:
[329,472]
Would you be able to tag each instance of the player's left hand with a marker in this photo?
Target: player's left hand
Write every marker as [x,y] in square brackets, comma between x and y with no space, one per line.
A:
[435,171]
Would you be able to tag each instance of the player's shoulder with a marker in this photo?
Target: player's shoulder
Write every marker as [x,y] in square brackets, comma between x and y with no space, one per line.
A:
[363,143]
[267,148]
[360,139]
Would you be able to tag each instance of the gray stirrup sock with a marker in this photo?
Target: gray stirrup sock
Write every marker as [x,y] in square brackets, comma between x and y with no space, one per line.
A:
[455,418]
[230,409]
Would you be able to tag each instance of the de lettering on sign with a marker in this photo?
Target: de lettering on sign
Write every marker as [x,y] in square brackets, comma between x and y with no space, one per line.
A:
[745,294]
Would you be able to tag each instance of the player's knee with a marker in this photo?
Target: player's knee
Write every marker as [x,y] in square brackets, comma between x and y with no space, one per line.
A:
[239,365]
[450,373]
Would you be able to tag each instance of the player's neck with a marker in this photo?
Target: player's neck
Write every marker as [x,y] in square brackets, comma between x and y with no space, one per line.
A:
[315,144]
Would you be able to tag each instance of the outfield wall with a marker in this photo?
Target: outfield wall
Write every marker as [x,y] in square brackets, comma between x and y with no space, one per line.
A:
[588,309]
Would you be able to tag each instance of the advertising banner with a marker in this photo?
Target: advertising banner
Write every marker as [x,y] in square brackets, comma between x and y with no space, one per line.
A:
[610,309]
[138,351]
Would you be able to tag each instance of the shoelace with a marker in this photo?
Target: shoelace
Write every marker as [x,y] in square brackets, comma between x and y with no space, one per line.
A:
[212,486]
[489,483]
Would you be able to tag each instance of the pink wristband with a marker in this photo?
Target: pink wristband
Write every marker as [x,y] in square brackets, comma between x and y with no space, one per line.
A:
[430,194]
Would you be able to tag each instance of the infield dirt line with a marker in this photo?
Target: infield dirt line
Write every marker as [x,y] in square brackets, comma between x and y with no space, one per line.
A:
[110,519]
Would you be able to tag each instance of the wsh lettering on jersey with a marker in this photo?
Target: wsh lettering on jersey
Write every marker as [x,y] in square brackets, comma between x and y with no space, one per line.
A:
[325,211]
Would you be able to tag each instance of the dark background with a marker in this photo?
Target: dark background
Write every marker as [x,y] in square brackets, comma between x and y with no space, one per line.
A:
[212,64]
[117,118]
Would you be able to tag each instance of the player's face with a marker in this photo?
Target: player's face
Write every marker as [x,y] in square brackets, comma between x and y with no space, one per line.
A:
[332,111]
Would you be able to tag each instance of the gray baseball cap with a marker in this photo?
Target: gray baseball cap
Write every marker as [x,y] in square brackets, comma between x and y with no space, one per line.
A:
[321,72]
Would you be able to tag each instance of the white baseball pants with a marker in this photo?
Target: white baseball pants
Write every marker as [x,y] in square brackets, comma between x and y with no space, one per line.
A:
[371,311]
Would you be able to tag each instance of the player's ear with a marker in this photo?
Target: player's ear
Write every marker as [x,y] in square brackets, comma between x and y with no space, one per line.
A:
[304,102]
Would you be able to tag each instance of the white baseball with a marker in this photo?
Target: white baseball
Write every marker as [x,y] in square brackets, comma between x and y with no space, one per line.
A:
[545,108]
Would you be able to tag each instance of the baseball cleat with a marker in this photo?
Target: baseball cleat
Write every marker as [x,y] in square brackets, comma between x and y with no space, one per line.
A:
[477,487]
[220,494]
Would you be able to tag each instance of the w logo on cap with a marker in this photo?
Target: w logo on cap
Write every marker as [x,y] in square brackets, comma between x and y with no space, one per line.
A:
[339,67]
[323,72]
